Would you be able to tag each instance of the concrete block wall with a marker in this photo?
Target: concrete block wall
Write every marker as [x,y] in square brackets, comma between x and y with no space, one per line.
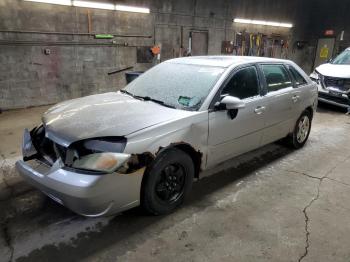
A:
[78,65]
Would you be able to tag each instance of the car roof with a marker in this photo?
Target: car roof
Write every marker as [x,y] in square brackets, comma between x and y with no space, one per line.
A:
[222,61]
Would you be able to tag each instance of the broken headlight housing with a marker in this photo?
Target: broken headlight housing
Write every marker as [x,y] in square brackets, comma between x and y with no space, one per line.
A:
[98,154]
[316,77]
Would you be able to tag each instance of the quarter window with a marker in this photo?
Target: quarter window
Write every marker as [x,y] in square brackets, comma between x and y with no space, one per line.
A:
[243,84]
[276,77]
[299,79]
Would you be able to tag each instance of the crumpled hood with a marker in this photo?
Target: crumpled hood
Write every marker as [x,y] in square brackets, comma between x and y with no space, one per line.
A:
[340,71]
[109,114]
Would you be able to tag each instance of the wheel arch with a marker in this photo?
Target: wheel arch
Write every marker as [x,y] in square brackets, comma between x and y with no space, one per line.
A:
[195,155]
[310,110]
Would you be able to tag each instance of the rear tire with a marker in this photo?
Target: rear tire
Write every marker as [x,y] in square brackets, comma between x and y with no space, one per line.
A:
[167,182]
[301,131]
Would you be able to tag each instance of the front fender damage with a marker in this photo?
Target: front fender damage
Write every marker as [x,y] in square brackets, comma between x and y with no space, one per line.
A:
[136,162]
[144,160]
[189,137]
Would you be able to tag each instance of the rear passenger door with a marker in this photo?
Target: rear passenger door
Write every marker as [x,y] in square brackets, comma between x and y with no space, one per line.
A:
[279,89]
[300,92]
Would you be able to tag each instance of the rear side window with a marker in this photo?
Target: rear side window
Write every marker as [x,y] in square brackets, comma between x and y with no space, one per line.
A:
[299,79]
[243,84]
[276,77]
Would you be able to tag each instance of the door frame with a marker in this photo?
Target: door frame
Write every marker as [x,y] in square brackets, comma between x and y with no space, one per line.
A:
[190,39]
[292,88]
[217,97]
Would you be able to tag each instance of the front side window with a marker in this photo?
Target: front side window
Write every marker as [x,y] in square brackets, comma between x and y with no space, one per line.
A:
[183,86]
[243,84]
[276,77]
[299,79]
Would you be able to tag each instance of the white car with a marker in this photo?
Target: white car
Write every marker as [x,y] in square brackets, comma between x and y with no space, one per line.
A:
[145,144]
[333,80]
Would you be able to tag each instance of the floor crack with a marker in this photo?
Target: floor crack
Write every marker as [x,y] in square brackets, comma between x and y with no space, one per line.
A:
[307,219]
[337,181]
[304,174]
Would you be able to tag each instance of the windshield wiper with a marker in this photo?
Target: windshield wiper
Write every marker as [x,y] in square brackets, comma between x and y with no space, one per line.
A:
[147,98]
[126,92]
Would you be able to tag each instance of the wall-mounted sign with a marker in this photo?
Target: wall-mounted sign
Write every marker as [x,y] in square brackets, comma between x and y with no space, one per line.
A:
[329,32]
[324,52]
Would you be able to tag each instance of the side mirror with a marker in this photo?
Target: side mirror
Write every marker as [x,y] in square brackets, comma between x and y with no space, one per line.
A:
[329,60]
[232,102]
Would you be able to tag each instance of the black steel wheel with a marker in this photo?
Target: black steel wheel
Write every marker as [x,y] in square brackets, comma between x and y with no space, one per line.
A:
[167,182]
[171,183]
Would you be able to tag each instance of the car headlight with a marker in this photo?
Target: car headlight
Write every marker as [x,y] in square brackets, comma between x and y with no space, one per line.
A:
[105,162]
[103,154]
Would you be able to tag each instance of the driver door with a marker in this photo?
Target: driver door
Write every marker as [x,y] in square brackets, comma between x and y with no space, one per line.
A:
[234,133]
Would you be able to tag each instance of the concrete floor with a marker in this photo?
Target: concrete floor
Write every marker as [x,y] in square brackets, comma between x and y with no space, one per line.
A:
[273,204]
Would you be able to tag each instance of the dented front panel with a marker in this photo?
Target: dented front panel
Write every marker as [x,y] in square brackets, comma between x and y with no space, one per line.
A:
[191,130]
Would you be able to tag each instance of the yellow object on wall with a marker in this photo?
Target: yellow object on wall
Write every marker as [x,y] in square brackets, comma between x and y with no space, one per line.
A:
[324,52]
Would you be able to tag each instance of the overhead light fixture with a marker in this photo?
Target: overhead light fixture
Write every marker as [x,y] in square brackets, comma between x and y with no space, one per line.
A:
[261,22]
[55,2]
[132,9]
[97,5]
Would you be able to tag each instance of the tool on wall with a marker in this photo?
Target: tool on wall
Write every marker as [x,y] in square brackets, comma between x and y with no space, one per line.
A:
[181,51]
[120,70]
[103,36]
[243,43]
[238,44]
[285,48]
[147,54]
[188,52]
[156,52]
[227,47]
[258,44]
[89,21]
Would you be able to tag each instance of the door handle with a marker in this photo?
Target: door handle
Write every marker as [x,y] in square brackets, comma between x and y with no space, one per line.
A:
[295,98]
[259,110]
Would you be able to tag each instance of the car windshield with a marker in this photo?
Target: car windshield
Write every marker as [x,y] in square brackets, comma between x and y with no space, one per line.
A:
[343,58]
[181,86]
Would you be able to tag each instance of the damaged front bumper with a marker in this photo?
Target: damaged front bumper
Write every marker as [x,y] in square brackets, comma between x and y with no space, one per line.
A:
[84,193]
[333,96]
[340,100]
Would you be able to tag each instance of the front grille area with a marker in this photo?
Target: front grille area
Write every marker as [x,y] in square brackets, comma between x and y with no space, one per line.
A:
[60,151]
[342,84]
[48,151]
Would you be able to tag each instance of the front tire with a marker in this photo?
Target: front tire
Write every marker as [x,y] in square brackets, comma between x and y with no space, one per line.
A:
[301,131]
[167,182]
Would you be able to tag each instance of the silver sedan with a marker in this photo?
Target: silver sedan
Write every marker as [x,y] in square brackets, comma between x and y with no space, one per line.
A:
[144,144]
